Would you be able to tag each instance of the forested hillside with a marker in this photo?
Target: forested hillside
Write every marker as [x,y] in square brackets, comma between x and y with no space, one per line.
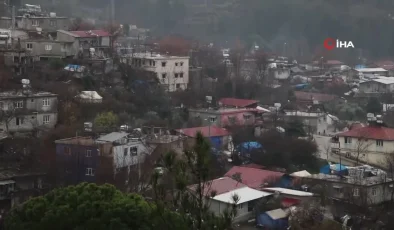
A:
[368,23]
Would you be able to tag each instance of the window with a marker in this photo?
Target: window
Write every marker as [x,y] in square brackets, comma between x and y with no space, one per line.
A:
[154,63]
[163,64]
[348,140]
[251,205]
[48,47]
[374,192]
[52,23]
[379,143]
[247,116]
[89,172]
[143,61]
[178,86]
[88,153]
[67,150]
[1,105]
[356,192]
[19,104]
[240,206]
[337,189]
[181,75]
[125,151]
[46,119]
[181,63]
[212,119]
[45,102]
[29,46]
[176,75]
[19,121]
[150,62]
[35,22]
[134,151]
[163,75]
[176,63]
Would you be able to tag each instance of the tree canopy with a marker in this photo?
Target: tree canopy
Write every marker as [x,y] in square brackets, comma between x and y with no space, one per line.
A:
[106,120]
[90,206]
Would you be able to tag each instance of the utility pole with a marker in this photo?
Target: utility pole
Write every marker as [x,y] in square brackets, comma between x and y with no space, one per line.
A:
[13,24]
[112,12]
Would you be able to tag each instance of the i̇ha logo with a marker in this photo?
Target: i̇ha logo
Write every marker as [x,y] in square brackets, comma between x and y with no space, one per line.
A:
[331,43]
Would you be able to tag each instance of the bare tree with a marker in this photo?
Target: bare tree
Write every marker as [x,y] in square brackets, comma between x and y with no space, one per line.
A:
[7,114]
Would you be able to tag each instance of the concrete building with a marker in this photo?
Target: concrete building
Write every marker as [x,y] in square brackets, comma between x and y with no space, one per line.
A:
[24,111]
[377,85]
[218,137]
[370,144]
[372,72]
[172,71]
[360,189]
[315,122]
[87,44]
[101,160]
[43,49]
[225,188]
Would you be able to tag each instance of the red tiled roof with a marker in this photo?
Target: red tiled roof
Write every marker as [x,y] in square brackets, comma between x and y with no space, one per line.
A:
[388,65]
[334,62]
[255,166]
[253,177]
[306,96]
[206,131]
[370,132]
[87,34]
[288,202]
[220,186]
[236,102]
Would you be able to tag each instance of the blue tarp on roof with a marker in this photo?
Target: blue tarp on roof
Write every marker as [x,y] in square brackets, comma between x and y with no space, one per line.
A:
[301,86]
[251,145]
[338,168]
[266,221]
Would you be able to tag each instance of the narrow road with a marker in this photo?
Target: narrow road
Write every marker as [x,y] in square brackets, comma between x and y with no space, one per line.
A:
[323,144]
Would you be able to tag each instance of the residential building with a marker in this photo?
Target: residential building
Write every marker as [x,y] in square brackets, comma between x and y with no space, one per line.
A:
[315,122]
[18,186]
[369,144]
[24,110]
[104,159]
[171,71]
[87,44]
[372,72]
[237,103]
[225,188]
[43,49]
[377,85]
[387,65]
[219,137]
[360,188]
[223,117]
[32,18]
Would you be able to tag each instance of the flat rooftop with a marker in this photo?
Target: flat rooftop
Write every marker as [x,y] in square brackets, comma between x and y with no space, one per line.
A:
[366,181]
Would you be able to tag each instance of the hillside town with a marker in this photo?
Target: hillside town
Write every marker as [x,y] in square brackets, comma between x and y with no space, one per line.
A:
[252,138]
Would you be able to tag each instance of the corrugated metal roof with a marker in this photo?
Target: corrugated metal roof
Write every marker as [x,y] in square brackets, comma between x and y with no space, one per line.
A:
[254,177]
[289,191]
[370,132]
[90,33]
[114,136]
[244,194]
[369,70]
[90,95]
[236,102]
[220,185]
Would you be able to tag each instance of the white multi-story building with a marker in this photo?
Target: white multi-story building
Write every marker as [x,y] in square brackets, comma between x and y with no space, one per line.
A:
[172,71]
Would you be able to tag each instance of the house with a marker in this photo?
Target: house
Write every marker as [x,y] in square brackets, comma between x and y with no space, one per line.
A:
[377,85]
[237,103]
[85,159]
[17,186]
[171,71]
[370,144]
[33,18]
[87,44]
[223,117]
[219,137]
[371,72]
[89,97]
[359,188]
[313,98]
[25,110]
[256,178]
[315,122]
[224,189]
[387,65]
[44,49]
